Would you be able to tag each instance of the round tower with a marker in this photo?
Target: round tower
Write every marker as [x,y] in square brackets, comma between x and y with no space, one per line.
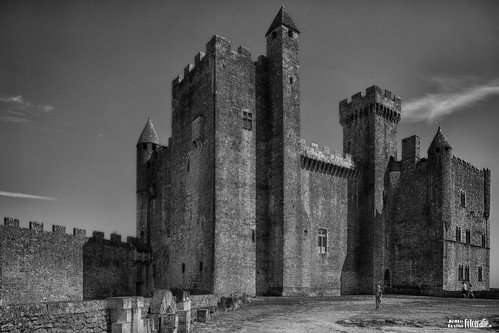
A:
[147,145]
[440,161]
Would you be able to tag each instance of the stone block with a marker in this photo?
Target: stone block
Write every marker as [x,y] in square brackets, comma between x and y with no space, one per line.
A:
[203,315]
[169,319]
[163,301]
[121,328]
[121,315]
[184,327]
[184,316]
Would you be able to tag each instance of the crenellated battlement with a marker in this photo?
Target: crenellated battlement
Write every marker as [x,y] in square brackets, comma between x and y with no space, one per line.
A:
[326,161]
[376,100]
[372,91]
[38,227]
[216,43]
[470,166]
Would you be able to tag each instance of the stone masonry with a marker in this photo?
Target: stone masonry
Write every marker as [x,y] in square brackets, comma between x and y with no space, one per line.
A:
[238,203]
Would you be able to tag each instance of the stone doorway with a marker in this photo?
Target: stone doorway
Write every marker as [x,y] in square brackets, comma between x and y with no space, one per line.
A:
[387,281]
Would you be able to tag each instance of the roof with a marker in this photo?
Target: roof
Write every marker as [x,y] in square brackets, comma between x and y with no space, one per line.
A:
[282,18]
[149,135]
[440,141]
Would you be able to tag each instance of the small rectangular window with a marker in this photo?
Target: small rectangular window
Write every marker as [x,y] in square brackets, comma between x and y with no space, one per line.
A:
[274,34]
[458,234]
[460,272]
[484,241]
[247,120]
[467,273]
[322,240]
[463,198]
[468,236]
[480,274]
[290,33]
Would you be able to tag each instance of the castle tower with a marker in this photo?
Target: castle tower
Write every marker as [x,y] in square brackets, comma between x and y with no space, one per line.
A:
[440,162]
[285,273]
[146,146]
[370,136]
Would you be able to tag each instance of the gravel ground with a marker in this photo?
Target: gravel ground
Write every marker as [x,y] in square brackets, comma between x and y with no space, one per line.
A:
[352,314]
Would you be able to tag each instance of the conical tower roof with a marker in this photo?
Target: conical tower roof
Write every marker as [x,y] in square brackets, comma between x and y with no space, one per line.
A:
[149,135]
[282,18]
[440,141]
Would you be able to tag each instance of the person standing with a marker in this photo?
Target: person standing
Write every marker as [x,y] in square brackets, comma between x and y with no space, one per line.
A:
[377,294]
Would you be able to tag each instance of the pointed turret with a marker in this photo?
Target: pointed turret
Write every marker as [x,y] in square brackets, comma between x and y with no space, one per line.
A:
[440,142]
[149,135]
[282,18]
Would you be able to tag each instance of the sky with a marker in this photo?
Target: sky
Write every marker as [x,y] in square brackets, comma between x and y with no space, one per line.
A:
[79,79]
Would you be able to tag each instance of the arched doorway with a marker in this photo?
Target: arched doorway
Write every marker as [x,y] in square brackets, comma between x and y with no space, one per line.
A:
[387,282]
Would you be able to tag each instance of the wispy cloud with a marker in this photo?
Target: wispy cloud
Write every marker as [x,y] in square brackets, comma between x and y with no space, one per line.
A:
[26,196]
[19,110]
[452,94]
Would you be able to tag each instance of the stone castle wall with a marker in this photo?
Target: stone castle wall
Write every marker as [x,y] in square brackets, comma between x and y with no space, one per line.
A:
[324,200]
[235,170]
[470,216]
[108,268]
[40,266]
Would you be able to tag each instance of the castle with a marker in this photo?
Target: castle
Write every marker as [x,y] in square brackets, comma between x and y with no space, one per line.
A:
[238,203]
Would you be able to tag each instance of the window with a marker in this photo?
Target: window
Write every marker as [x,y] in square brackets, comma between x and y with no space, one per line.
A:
[460,272]
[290,33]
[253,235]
[458,234]
[467,273]
[480,274]
[484,241]
[463,198]
[200,266]
[468,236]
[183,268]
[322,238]
[247,120]
[290,80]
[274,34]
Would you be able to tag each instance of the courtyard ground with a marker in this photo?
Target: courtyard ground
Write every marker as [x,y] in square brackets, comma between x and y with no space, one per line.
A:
[353,314]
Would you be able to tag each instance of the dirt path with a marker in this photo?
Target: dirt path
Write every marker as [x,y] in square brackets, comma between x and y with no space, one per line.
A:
[352,314]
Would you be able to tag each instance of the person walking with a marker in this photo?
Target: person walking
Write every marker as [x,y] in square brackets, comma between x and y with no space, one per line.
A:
[464,290]
[377,294]
[470,292]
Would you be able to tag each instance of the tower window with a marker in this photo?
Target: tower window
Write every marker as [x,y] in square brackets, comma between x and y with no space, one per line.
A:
[468,236]
[290,80]
[144,146]
[247,120]
[253,235]
[463,198]
[467,273]
[480,274]
[460,272]
[458,234]
[484,241]
[290,33]
[274,34]
[322,240]
[183,268]
[200,266]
